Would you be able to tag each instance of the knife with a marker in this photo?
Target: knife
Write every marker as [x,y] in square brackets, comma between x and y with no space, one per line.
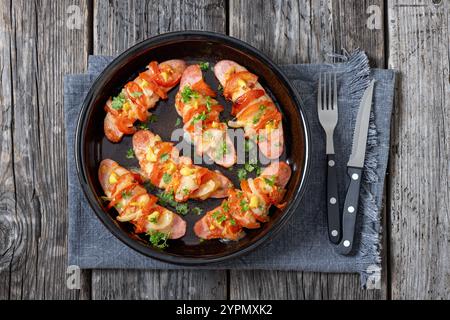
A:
[354,171]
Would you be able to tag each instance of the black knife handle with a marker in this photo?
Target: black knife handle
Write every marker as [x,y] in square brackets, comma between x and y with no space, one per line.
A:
[350,210]
[334,219]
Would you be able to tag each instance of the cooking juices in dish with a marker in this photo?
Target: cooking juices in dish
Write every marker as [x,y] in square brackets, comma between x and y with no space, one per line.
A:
[160,162]
[253,109]
[140,95]
[131,200]
[195,103]
[248,207]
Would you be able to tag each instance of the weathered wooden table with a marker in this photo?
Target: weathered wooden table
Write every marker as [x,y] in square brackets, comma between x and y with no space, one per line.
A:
[41,41]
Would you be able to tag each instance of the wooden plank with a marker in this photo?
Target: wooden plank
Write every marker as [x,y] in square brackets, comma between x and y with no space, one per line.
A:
[302,32]
[8,223]
[120,24]
[298,286]
[419,48]
[117,26]
[37,50]
[163,285]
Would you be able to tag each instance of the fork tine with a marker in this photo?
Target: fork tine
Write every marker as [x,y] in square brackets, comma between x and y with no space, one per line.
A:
[324,105]
[330,97]
[319,94]
[335,94]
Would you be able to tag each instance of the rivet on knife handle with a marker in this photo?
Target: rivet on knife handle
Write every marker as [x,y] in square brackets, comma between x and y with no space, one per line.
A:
[350,210]
[334,221]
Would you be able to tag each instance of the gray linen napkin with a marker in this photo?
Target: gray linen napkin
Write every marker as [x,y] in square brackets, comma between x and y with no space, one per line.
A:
[303,244]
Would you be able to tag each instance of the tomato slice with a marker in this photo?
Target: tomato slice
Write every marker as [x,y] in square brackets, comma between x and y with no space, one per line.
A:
[124,124]
[204,175]
[257,182]
[246,99]
[154,67]
[232,85]
[245,187]
[167,77]
[150,204]
[153,86]
[252,110]
[156,174]
[203,88]
[271,115]
[113,111]
[118,197]
[164,147]
[212,114]
[136,94]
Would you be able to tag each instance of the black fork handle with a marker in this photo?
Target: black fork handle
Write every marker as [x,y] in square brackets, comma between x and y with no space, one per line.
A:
[333,214]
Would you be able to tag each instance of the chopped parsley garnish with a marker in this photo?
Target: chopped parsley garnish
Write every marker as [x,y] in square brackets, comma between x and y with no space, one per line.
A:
[186,191]
[153,220]
[248,145]
[118,101]
[198,211]
[158,239]
[130,154]
[222,219]
[249,167]
[198,117]
[105,199]
[232,222]
[258,171]
[178,122]
[153,118]
[182,208]
[244,205]
[126,194]
[270,181]
[220,88]
[242,174]
[204,66]
[142,126]
[164,157]
[261,138]
[222,151]
[187,94]
[136,94]
[166,198]
[208,103]
[219,216]
[258,116]
[167,178]
[225,206]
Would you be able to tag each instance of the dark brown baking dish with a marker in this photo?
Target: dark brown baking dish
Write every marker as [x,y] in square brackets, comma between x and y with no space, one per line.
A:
[192,46]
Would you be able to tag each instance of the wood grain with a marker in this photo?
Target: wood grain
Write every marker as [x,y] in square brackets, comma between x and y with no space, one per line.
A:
[120,24]
[167,285]
[419,34]
[37,50]
[117,26]
[9,228]
[304,32]
[298,286]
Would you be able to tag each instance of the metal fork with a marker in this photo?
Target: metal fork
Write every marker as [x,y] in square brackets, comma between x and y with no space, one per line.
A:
[328,116]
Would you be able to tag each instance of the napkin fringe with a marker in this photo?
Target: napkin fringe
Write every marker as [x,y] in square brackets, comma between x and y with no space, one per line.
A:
[370,237]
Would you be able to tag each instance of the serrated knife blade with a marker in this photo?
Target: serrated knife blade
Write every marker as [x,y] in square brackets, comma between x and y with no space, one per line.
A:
[355,170]
[361,127]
